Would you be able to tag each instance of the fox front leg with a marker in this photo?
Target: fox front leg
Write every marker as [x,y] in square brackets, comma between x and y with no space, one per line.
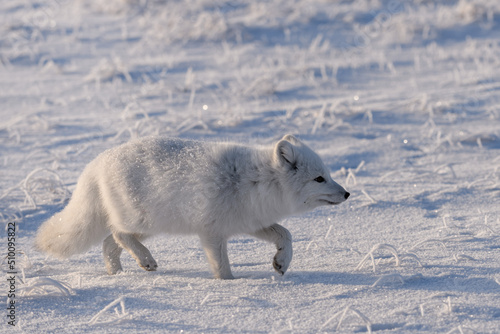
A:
[282,238]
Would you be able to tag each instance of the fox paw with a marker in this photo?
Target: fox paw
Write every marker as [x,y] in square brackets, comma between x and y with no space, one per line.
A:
[113,268]
[148,264]
[282,260]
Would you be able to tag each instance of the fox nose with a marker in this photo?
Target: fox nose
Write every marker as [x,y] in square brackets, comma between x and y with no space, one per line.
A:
[346,195]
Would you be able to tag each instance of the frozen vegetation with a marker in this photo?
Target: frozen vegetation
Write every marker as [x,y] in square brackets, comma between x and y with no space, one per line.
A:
[401,98]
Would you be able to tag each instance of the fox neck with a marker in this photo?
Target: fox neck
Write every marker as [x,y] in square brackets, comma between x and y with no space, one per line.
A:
[267,195]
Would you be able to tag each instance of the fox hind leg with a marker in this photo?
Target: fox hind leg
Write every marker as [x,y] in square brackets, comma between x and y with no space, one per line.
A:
[216,250]
[112,251]
[138,251]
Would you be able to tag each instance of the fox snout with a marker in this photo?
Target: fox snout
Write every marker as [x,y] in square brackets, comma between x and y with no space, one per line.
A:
[340,193]
[344,195]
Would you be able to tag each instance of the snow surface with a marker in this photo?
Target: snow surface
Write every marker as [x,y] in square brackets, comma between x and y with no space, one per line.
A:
[401,99]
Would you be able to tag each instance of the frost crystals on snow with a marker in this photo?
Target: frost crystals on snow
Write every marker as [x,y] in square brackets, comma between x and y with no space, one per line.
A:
[448,309]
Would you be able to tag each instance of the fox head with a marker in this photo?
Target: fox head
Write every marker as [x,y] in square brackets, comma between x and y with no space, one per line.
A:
[304,177]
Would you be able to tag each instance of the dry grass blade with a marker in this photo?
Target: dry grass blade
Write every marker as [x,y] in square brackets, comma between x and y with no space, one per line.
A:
[118,316]
[44,286]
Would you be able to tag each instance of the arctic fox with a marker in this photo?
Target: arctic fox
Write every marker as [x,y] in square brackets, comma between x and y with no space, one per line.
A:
[215,190]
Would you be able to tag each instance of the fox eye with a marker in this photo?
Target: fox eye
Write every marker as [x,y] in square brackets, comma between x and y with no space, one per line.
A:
[320,179]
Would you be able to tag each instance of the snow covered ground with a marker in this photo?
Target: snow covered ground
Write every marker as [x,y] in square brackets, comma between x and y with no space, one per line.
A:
[401,98]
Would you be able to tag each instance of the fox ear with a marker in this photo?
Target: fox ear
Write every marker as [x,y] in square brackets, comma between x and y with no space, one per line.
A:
[285,153]
[292,139]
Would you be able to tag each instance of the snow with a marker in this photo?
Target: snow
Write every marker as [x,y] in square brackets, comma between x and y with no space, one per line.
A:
[399,97]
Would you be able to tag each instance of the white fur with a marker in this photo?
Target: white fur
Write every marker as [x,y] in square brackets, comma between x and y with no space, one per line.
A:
[214,190]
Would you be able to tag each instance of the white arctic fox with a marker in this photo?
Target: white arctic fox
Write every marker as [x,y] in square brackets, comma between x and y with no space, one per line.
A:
[215,190]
